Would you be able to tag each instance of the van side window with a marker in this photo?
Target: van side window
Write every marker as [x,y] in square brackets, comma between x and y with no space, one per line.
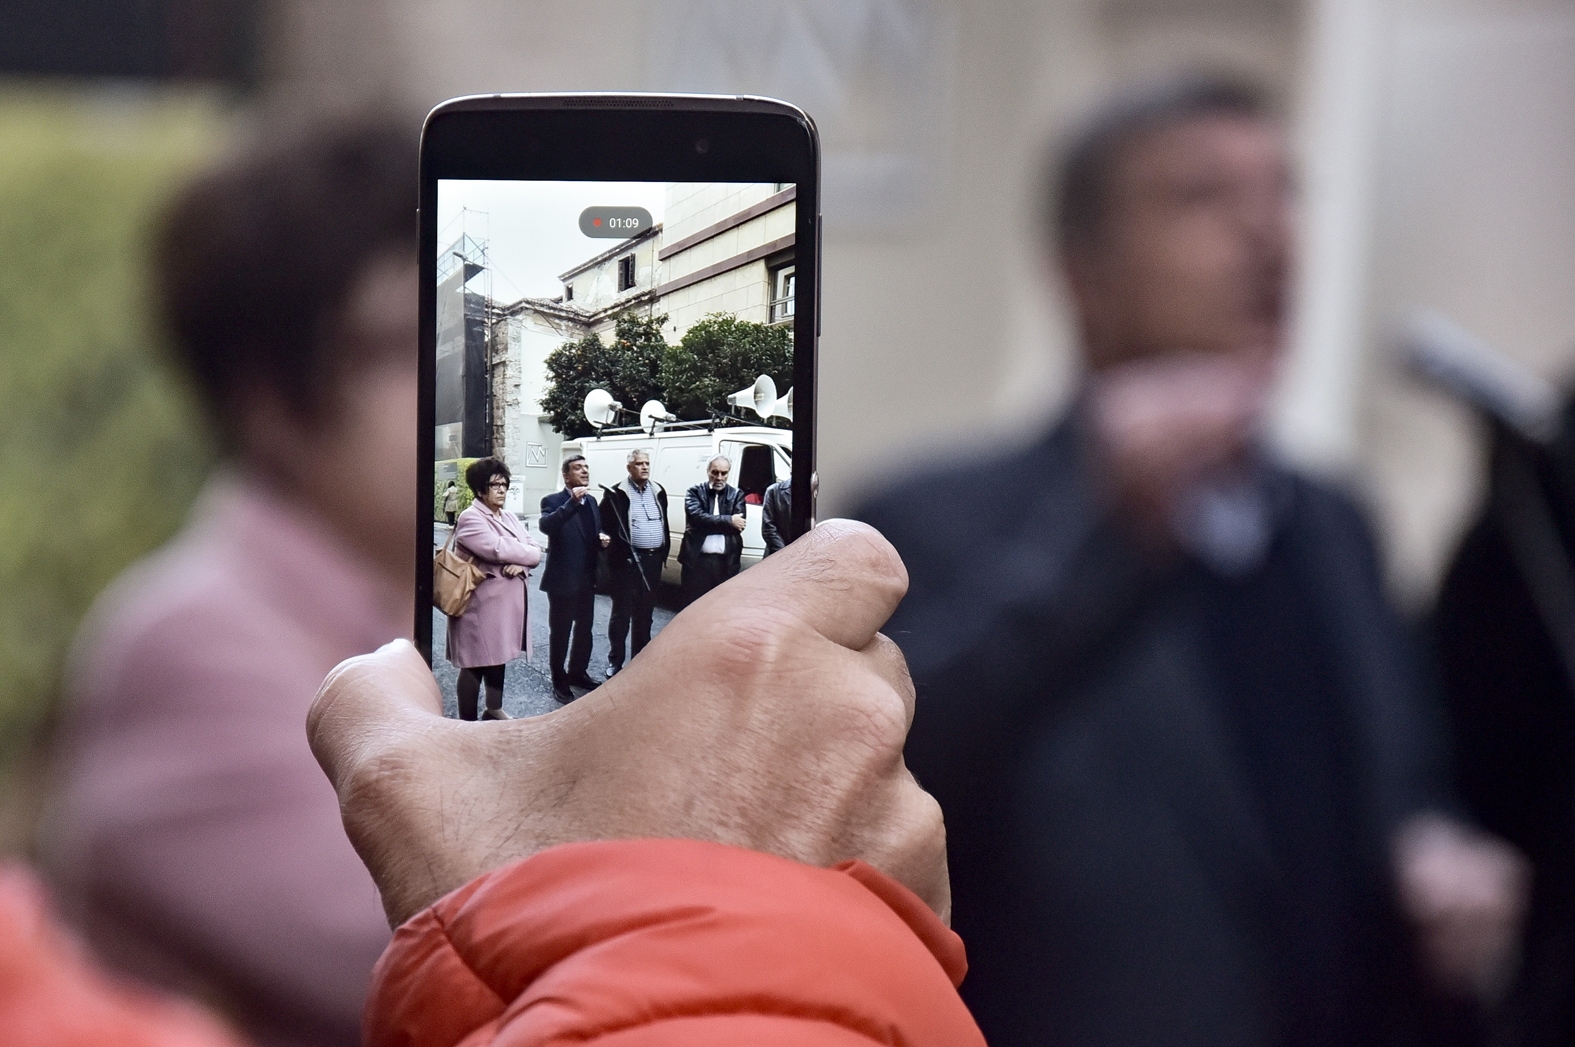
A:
[755,472]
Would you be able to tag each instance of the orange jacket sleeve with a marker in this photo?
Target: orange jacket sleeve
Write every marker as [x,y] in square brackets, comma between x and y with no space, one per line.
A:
[53,995]
[661,943]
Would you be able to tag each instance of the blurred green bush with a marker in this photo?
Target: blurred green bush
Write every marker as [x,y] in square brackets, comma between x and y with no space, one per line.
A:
[101,450]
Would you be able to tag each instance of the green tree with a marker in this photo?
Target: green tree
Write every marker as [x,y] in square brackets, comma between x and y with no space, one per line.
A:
[101,448]
[720,355]
[630,368]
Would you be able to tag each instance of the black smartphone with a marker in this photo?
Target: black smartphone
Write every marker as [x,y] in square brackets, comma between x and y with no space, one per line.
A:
[619,317]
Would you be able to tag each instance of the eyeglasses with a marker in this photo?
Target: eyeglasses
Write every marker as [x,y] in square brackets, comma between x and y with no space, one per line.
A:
[499,483]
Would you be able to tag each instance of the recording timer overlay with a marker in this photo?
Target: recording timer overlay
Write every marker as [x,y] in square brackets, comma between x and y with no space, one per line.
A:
[614,222]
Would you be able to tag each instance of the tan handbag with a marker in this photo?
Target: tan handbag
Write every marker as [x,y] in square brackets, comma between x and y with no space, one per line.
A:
[454,578]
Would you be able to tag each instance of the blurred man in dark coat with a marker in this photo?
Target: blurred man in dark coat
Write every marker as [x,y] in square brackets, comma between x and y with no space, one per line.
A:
[572,523]
[776,515]
[713,531]
[1185,760]
[1505,633]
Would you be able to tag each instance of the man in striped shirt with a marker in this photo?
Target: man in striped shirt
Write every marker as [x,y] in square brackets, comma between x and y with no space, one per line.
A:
[634,514]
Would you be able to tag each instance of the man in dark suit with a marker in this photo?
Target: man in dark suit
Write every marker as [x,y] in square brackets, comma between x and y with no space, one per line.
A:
[634,515]
[713,531]
[1501,631]
[572,524]
[776,514]
[1186,760]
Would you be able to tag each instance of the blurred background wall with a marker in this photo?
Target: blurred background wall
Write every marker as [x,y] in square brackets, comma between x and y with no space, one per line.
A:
[1471,210]
[1437,140]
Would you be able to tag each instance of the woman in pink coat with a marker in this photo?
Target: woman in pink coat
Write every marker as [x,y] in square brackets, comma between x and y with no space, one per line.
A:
[492,630]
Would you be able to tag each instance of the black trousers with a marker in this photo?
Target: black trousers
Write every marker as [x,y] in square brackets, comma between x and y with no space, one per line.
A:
[634,598]
[707,572]
[469,689]
[568,612]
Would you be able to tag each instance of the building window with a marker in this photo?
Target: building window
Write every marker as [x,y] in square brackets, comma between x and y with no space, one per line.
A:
[784,286]
[626,272]
[568,292]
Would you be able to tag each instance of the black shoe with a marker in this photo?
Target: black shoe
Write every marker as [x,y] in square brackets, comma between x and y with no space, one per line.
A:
[612,670]
[582,679]
[561,692]
[496,714]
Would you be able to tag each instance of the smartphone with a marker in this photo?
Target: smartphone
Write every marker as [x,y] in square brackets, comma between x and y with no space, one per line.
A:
[619,318]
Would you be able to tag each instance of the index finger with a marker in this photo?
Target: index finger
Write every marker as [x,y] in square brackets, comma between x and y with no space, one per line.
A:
[843,579]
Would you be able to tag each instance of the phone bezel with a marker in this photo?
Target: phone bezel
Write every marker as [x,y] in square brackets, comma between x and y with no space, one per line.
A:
[619,137]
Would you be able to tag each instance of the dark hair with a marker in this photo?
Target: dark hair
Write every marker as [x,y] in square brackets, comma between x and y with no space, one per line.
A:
[564,468]
[253,257]
[1080,171]
[479,474]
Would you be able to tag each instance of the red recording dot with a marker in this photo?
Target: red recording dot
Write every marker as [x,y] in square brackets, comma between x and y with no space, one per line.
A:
[596,221]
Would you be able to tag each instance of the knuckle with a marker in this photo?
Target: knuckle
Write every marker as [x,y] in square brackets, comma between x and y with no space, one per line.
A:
[926,834]
[908,842]
[926,818]
[747,636]
[886,649]
[858,549]
[748,643]
[764,649]
[879,718]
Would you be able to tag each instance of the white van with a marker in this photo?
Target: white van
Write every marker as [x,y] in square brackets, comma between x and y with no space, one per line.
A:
[761,455]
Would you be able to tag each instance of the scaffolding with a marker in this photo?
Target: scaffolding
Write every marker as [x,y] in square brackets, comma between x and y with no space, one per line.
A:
[466,236]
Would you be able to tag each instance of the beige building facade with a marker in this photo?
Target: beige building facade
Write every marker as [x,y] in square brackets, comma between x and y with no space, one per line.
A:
[721,248]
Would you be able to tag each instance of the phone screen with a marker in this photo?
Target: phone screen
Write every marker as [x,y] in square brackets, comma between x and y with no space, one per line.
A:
[613,420]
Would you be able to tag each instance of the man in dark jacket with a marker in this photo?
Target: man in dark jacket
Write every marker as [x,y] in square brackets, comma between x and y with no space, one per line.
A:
[1185,759]
[1507,664]
[776,514]
[713,531]
[572,524]
[634,516]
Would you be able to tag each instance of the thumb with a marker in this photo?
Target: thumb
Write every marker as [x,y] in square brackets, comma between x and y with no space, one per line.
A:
[367,701]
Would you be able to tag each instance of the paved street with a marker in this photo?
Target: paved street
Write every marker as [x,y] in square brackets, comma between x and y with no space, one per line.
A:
[527,685]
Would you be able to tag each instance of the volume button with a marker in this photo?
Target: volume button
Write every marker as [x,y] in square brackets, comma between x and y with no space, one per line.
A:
[819,254]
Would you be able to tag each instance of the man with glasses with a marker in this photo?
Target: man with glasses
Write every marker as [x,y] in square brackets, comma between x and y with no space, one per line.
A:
[1185,751]
[634,517]
[713,531]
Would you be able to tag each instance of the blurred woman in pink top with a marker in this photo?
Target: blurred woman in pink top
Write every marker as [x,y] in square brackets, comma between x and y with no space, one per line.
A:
[493,630]
[191,836]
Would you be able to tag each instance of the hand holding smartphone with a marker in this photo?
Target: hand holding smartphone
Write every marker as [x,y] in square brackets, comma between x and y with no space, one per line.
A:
[618,300]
